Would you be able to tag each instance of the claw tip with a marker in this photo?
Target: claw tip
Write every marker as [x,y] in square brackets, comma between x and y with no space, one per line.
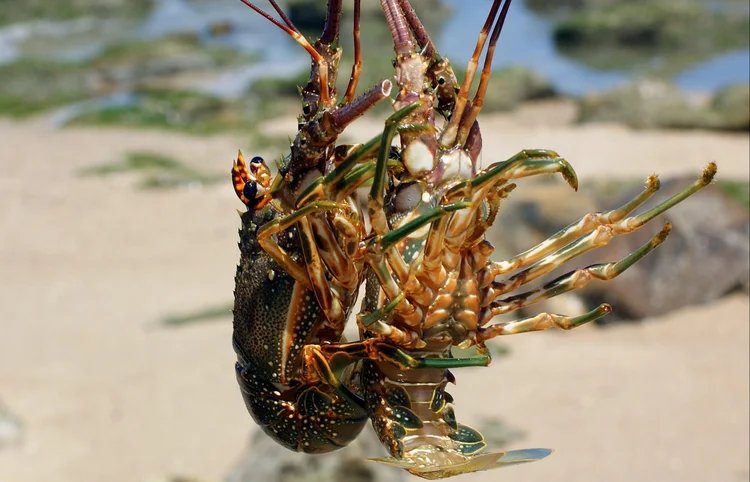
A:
[709,172]
[664,232]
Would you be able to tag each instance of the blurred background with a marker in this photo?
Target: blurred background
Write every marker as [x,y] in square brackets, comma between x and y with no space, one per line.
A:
[119,121]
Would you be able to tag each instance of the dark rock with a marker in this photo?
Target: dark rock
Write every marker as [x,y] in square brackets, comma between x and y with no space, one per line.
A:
[265,460]
[649,104]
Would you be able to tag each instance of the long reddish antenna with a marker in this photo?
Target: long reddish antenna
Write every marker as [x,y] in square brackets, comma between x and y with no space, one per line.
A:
[300,39]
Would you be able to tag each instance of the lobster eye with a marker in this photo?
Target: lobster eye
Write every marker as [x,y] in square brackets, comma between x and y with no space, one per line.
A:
[250,190]
[407,197]
[441,81]
[257,160]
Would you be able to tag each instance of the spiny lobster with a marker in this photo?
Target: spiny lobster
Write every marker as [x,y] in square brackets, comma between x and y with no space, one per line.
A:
[430,282]
[441,282]
[300,267]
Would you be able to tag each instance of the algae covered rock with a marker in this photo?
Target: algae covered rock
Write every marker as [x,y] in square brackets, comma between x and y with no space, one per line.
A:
[31,86]
[672,34]
[128,65]
[731,107]
[645,104]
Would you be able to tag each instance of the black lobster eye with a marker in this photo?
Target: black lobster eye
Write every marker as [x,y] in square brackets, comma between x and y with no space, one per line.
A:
[250,190]
[257,160]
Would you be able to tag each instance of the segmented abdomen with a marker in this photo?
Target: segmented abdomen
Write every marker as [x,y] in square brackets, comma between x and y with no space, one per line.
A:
[412,414]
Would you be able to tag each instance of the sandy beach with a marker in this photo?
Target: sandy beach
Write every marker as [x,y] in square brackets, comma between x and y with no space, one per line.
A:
[90,265]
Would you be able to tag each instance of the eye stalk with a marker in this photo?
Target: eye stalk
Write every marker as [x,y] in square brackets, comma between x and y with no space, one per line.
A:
[251,182]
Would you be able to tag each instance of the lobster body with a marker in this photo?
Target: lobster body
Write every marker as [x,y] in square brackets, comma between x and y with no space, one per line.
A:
[275,316]
[441,283]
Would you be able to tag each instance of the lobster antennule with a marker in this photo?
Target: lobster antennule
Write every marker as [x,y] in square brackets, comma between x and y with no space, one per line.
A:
[300,39]
[420,33]
[402,42]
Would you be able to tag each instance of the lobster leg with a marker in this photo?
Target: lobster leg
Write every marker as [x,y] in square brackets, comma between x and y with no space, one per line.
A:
[563,246]
[377,256]
[541,322]
[525,163]
[322,187]
[566,235]
[530,162]
[575,279]
[375,202]
[265,237]
[339,355]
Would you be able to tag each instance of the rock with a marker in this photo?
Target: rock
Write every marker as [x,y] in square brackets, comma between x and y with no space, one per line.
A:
[26,87]
[731,107]
[264,459]
[646,104]
[638,33]
[11,429]
[185,111]
[161,61]
[706,256]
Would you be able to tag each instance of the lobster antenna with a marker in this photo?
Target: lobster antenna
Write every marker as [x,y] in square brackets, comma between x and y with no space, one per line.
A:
[476,104]
[351,88]
[283,16]
[300,39]
[451,130]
